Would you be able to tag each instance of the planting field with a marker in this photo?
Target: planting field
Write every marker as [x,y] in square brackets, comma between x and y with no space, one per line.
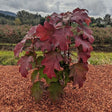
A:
[94,96]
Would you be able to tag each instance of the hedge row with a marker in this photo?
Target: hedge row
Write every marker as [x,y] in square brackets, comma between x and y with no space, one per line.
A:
[13,34]
[102,35]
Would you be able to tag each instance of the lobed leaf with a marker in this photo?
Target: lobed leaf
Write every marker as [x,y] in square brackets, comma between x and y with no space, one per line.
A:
[87,33]
[55,90]
[25,65]
[51,62]
[42,75]
[37,90]
[86,46]
[19,47]
[45,32]
[60,38]
[79,16]
[84,56]
[78,72]
[43,45]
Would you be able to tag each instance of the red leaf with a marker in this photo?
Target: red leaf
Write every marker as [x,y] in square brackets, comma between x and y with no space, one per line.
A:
[25,65]
[79,16]
[19,47]
[55,18]
[60,38]
[66,17]
[43,45]
[84,56]
[86,46]
[78,72]
[88,21]
[32,31]
[51,62]
[87,33]
[44,32]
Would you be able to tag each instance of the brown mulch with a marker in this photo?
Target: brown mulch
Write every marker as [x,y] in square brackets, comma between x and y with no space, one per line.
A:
[94,96]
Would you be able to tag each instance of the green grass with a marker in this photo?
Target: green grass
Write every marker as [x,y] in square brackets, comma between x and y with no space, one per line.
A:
[8,44]
[97,58]
[8,58]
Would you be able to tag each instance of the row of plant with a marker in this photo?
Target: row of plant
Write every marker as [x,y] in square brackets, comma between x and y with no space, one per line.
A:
[13,34]
[102,35]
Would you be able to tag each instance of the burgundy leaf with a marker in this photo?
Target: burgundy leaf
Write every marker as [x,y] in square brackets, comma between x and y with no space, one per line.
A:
[59,25]
[78,72]
[55,18]
[43,45]
[51,62]
[19,47]
[60,38]
[32,31]
[67,17]
[45,32]
[79,16]
[25,65]
[86,46]
[84,56]
[87,33]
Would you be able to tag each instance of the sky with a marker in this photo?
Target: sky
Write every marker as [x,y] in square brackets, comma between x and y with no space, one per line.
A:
[96,8]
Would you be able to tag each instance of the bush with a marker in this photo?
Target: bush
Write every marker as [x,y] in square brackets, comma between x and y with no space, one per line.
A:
[102,35]
[55,65]
[12,34]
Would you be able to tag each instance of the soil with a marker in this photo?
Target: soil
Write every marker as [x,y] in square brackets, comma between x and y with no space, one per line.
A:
[94,96]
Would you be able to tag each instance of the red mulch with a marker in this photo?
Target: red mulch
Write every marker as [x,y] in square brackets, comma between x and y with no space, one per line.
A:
[94,96]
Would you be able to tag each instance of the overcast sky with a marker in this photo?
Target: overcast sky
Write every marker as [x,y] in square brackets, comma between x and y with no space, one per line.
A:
[44,7]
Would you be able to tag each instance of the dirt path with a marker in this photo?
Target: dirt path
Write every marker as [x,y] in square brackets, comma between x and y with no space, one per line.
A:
[94,96]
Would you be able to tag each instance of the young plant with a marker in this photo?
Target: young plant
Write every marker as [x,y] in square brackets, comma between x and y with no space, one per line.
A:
[57,38]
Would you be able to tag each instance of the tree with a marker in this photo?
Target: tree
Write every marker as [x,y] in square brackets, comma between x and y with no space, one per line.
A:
[17,21]
[107,19]
[29,18]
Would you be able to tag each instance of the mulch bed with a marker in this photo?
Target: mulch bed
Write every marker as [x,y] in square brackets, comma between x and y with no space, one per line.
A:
[94,96]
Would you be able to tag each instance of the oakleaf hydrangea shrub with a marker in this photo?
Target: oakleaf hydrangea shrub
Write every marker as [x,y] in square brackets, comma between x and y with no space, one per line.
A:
[56,39]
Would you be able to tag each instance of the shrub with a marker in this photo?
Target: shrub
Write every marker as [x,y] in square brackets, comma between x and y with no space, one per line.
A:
[54,40]
[12,34]
[102,35]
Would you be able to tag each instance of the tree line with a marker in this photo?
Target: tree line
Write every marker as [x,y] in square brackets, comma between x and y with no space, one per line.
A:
[23,17]
[101,22]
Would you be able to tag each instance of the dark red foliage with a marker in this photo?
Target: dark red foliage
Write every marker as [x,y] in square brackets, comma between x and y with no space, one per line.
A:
[78,72]
[51,62]
[86,46]
[79,16]
[54,39]
[45,32]
[87,33]
[60,39]
[25,65]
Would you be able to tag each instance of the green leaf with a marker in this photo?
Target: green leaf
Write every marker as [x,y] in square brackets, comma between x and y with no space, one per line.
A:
[39,59]
[55,90]
[37,90]
[33,75]
[42,75]
[66,77]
